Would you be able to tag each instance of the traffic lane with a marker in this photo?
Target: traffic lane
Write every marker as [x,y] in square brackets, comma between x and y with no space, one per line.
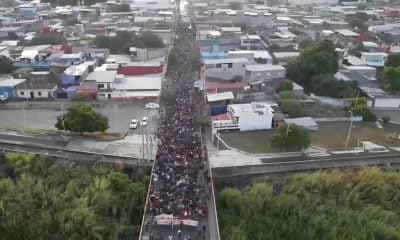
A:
[119,116]
[152,122]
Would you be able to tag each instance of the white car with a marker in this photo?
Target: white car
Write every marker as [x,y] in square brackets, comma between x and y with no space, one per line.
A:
[133,124]
[143,123]
[152,105]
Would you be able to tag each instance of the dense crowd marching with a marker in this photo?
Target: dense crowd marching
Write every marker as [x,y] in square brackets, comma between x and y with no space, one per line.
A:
[181,182]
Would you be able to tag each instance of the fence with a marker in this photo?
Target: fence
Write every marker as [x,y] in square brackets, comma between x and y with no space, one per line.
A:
[340,119]
[331,101]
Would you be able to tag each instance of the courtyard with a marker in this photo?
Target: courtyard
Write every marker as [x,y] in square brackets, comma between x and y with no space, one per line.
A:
[330,135]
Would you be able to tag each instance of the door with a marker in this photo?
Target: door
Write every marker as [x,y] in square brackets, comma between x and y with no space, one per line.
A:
[109,96]
[32,95]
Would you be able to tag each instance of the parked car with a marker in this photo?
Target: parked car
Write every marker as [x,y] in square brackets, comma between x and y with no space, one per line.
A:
[152,105]
[133,124]
[143,123]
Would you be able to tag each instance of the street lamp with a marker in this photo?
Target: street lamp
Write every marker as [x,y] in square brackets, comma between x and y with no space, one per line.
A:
[351,126]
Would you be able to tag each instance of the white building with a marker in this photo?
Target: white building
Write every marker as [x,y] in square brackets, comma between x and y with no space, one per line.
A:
[226,69]
[264,72]
[245,117]
[41,90]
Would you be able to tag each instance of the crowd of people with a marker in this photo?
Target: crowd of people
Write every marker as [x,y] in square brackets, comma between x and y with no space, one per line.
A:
[181,182]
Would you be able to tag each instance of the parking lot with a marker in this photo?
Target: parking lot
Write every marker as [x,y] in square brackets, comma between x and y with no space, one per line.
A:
[119,115]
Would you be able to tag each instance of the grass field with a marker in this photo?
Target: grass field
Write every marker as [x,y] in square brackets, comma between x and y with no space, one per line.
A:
[330,135]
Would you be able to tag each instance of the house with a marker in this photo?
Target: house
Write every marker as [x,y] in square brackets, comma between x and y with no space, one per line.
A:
[133,88]
[264,72]
[34,25]
[5,30]
[244,117]
[74,75]
[370,46]
[305,122]
[374,59]
[8,88]
[36,90]
[251,42]
[219,102]
[140,68]
[232,69]
[105,82]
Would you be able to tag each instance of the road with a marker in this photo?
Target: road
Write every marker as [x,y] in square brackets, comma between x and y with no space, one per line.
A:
[280,165]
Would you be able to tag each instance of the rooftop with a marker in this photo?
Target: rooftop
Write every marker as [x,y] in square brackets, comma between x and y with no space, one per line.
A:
[253,108]
[12,82]
[304,121]
[263,67]
[228,60]
[215,97]
[138,83]
[102,76]
[347,33]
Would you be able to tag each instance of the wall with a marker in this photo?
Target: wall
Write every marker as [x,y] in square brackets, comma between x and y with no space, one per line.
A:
[386,102]
[255,122]
[265,75]
[7,90]
[45,93]
[139,70]
[330,101]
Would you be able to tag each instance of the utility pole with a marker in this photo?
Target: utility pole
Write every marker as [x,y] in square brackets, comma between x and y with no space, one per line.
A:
[351,126]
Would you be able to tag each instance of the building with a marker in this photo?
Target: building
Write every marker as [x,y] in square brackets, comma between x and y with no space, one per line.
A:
[132,88]
[8,88]
[264,72]
[37,90]
[251,42]
[282,58]
[244,117]
[374,59]
[137,69]
[218,102]
[74,75]
[232,69]
[105,82]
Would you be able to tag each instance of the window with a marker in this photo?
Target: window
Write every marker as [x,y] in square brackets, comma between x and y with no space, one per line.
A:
[100,86]
[208,66]
[230,65]
[218,65]
[39,93]
[22,93]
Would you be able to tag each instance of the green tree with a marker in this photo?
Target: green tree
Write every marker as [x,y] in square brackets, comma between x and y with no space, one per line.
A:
[392,76]
[362,16]
[48,39]
[292,108]
[80,97]
[360,108]
[234,5]
[321,58]
[82,118]
[393,60]
[261,60]
[23,73]
[6,65]
[12,36]
[286,95]
[358,23]
[291,137]
[120,8]
[306,43]
[48,200]
[285,85]
[328,85]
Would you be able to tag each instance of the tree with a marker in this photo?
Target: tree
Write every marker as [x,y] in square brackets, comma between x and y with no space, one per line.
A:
[261,60]
[120,8]
[286,95]
[23,73]
[151,40]
[234,5]
[358,23]
[12,36]
[80,97]
[243,26]
[48,39]
[82,118]
[49,200]
[362,16]
[321,58]
[292,108]
[393,60]
[6,65]
[328,85]
[291,137]
[306,43]
[285,85]
[360,108]
[392,76]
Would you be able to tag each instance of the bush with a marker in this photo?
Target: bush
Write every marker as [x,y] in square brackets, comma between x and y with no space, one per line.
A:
[386,119]
[286,95]
[80,97]
[292,108]
[285,85]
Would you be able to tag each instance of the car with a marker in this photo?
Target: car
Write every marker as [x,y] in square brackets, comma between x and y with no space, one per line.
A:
[143,123]
[152,105]
[133,124]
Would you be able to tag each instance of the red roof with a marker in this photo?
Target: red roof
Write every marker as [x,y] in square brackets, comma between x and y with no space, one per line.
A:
[365,37]
[224,116]
[225,86]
